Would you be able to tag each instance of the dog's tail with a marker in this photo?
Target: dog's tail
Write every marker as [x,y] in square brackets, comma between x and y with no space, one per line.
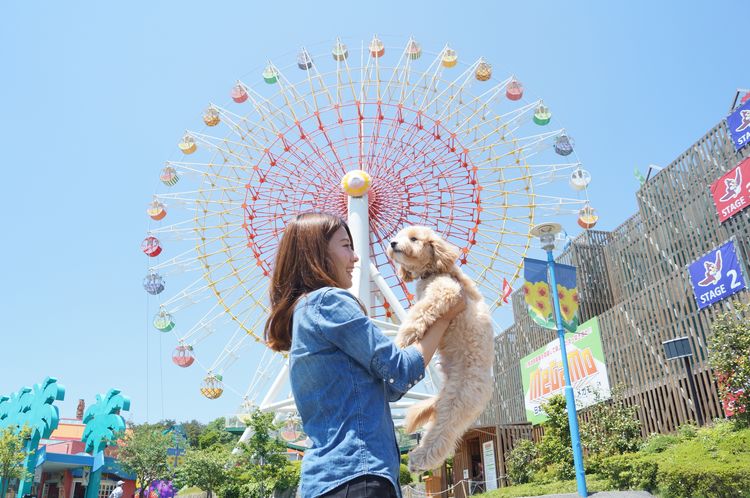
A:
[419,414]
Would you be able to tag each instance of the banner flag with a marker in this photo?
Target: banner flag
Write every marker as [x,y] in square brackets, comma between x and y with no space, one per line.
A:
[716,275]
[639,176]
[731,192]
[507,290]
[536,291]
[739,125]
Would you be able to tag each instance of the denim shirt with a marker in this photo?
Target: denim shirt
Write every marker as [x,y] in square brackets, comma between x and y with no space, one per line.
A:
[344,371]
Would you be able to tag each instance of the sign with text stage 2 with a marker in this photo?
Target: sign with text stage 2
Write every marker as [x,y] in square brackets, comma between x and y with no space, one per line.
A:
[739,125]
[716,275]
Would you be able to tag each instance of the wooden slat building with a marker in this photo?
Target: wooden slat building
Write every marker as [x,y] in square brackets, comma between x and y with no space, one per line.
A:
[635,280]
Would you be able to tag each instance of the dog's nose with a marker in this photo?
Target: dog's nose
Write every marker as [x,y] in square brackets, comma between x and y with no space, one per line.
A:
[394,244]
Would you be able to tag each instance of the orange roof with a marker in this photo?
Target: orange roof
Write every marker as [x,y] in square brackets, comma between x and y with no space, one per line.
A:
[68,431]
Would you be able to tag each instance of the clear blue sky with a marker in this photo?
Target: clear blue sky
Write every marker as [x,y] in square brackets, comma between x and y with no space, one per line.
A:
[95,95]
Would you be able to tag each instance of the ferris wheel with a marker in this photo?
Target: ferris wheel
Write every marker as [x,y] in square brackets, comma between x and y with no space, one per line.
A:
[385,136]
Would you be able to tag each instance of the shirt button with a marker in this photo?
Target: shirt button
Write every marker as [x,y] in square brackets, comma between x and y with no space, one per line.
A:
[420,377]
[391,381]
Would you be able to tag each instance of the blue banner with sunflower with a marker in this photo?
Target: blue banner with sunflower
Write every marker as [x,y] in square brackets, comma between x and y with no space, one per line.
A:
[538,299]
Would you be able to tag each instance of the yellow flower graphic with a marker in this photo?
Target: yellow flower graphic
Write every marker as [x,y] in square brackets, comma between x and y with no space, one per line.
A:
[568,302]
[540,300]
[528,288]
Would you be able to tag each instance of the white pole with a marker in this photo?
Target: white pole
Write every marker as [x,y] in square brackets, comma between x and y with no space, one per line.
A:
[265,405]
[359,225]
[281,378]
[388,293]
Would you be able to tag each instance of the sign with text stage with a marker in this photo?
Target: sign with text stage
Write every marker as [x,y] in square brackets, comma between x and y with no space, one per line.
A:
[716,275]
[739,125]
[731,192]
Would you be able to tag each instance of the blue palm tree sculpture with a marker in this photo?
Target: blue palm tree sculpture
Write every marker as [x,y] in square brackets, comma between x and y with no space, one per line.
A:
[5,408]
[37,413]
[104,425]
[11,406]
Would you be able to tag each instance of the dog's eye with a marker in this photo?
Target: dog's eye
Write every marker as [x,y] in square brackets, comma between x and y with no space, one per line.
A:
[413,239]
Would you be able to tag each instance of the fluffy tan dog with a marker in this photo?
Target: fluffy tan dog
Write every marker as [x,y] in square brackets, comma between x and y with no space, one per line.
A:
[466,350]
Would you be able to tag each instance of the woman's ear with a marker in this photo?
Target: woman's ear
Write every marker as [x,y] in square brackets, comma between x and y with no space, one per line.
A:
[445,254]
[404,275]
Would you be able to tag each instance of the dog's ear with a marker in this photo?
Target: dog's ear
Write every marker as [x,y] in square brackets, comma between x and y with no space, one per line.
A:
[445,254]
[404,275]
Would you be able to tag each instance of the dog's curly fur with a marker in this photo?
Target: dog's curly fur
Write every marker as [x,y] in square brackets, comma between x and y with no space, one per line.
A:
[466,349]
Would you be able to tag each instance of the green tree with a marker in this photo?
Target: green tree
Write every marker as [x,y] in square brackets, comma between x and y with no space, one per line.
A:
[263,458]
[206,469]
[522,462]
[12,456]
[613,427]
[143,452]
[729,356]
[215,433]
[193,430]
[555,449]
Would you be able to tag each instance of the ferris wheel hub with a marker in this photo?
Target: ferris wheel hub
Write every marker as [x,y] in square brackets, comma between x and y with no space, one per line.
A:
[356,183]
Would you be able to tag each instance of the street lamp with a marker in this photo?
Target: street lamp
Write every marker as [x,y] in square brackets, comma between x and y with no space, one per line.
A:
[680,348]
[547,232]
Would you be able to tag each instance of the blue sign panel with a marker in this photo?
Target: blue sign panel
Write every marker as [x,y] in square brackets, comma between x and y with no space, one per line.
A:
[739,125]
[716,275]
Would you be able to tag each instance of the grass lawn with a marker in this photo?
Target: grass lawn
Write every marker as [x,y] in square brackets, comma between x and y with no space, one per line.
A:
[189,491]
[533,489]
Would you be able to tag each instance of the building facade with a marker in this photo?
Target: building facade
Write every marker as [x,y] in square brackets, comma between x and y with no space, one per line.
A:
[63,466]
[635,280]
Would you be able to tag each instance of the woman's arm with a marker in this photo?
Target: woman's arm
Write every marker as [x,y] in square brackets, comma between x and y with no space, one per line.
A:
[429,343]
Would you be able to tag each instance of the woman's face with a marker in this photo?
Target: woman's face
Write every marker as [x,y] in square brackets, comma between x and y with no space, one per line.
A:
[343,256]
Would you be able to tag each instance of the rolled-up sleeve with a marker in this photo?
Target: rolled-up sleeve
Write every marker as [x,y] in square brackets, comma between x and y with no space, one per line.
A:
[342,322]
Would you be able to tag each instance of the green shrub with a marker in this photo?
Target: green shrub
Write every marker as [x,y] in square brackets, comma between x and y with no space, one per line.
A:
[555,449]
[613,427]
[629,471]
[405,475]
[687,431]
[728,351]
[656,443]
[521,462]
[592,463]
[546,475]
[713,463]
[687,481]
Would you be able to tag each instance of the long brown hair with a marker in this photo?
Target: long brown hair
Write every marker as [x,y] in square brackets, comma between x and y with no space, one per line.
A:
[302,265]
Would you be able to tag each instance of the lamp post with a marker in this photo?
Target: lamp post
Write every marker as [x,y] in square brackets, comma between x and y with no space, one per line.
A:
[680,348]
[546,233]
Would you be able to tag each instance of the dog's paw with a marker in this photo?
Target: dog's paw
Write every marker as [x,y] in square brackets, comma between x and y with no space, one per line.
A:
[414,461]
[402,342]
[410,334]
[418,460]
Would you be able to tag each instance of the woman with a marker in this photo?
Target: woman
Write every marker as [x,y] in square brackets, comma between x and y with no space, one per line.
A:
[343,369]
